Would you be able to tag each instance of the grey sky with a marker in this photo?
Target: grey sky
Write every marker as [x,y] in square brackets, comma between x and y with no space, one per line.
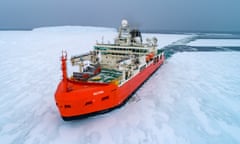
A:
[150,15]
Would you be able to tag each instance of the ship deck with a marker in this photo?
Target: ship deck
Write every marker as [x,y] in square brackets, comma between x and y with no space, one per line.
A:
[106,76]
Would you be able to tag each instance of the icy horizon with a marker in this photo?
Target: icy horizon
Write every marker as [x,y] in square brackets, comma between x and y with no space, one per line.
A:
[193,98]
[107,28]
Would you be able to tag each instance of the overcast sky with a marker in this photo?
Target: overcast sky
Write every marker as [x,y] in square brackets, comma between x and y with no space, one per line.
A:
[148,15]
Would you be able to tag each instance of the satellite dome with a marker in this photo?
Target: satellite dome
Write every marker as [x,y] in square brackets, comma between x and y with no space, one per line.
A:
[124,23]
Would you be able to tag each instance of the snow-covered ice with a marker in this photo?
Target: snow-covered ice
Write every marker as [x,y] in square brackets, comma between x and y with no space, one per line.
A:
[216,42]
[193,98]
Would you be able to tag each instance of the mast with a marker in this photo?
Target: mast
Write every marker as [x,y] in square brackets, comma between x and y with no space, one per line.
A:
[64,69]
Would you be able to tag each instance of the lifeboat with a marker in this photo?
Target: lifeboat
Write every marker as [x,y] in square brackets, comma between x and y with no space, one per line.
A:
[107,76]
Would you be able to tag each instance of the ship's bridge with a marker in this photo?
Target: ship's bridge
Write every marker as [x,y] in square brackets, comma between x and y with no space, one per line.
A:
[121,51]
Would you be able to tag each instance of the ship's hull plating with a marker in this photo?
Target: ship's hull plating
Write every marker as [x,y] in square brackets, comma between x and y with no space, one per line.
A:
[84,99]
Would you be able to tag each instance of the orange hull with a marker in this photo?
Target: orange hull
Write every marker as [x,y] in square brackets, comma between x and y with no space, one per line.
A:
[76,99]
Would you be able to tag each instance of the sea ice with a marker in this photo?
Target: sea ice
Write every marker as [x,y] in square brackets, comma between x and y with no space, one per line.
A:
[192,98]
